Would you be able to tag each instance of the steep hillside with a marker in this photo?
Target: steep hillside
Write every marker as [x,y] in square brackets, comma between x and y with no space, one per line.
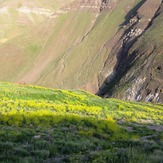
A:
[64,46]
[138,72]
[103,46]
[45,125]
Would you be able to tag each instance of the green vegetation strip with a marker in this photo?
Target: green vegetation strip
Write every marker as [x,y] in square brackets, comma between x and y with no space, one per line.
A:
[46,125]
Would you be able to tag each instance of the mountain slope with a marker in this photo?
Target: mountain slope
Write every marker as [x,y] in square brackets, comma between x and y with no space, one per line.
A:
[45,125]
[100,46]
[69,41]
[138,73]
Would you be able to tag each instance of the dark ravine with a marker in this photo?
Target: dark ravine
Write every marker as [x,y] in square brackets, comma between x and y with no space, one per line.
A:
[117,84]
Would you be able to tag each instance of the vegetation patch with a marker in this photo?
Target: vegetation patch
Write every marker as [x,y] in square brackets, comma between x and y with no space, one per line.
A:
[45,125]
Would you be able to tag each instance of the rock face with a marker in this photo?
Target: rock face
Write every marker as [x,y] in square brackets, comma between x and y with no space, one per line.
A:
[139,63]
[109,47]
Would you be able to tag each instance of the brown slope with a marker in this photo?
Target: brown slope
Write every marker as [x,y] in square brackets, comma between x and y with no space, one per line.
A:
[70,44]
[60,44]
[23,34]
[69,49]
[76,53]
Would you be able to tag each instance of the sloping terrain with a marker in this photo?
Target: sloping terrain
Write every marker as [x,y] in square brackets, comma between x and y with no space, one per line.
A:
[103,46]
[19,16]
[23,33]
[138,72]
[45,125]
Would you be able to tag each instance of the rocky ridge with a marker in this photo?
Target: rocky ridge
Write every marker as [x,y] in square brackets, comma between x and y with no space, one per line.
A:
[124,72]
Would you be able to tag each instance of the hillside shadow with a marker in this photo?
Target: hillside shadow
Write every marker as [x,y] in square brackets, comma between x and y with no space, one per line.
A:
[123,65]
[100,125]
[132,12]
[117,131]
[124,61]
[70,136]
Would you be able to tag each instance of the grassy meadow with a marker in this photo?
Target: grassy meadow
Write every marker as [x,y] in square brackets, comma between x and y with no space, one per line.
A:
[46,125]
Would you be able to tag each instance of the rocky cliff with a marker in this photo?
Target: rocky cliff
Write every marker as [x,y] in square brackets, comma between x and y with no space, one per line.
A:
[137,74]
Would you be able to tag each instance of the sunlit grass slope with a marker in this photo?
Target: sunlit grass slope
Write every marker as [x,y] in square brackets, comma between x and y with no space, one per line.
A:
[45,125]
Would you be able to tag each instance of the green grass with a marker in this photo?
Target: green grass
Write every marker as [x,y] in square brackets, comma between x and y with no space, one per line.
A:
[41,124]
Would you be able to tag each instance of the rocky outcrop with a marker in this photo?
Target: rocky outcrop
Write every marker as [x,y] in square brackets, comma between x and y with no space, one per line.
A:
[131,78]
